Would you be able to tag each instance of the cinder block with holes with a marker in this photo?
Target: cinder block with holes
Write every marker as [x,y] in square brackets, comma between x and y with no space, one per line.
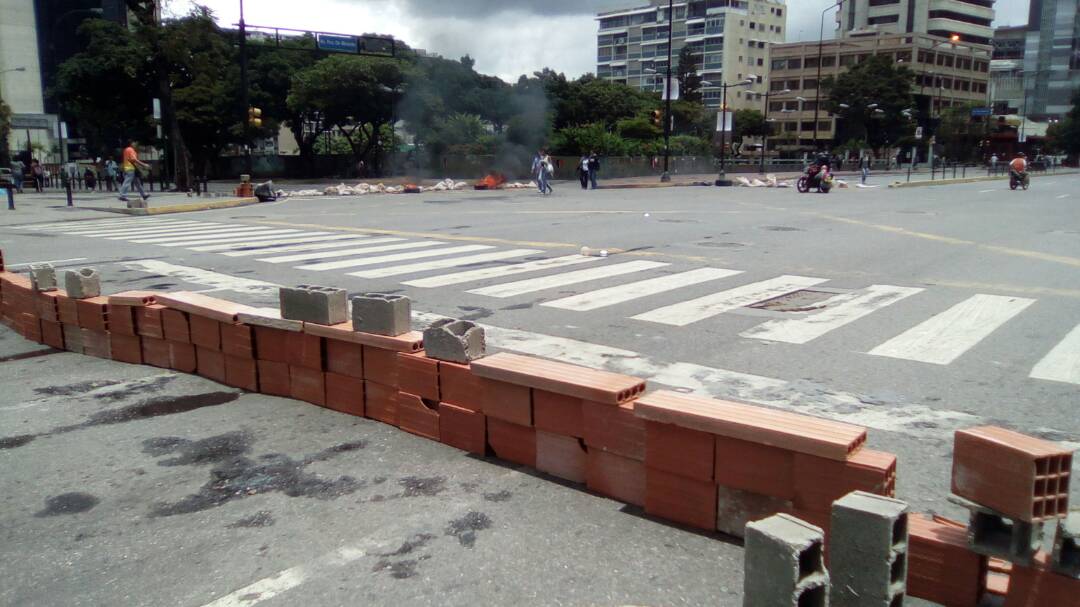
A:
[382,314]
[1067,546]
[459,341]
[735,508]
[994,534]
[785,564]
[314,304]
[82,283]
[868,550]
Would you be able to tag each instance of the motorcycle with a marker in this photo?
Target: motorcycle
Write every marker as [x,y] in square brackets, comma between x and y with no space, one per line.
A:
[1019,180]
[815,177]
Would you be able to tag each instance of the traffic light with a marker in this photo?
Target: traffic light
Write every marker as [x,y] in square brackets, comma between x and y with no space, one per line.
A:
[254,117]
[657,118]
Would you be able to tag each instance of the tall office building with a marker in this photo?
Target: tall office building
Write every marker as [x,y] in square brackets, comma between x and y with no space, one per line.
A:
[1051,58]
[731,39]
[971,20]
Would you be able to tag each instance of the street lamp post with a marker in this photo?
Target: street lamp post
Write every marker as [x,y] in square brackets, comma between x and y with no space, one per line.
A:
[820,53]
[724,86]
[665,176]
[765,137]
[245,102]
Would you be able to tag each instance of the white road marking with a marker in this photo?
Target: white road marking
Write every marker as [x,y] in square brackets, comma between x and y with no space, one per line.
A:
[1063,362]
[272,246]
[838,311]
[371,261]
[216,280]
[68,225]
[180,226]
[52,261]
[500,271]
[531,285]
[688,312]
[363,250]
[214,234]
[986,191]
[246,238]
[943,338]
[1063,196]
[438,264]
[602,298]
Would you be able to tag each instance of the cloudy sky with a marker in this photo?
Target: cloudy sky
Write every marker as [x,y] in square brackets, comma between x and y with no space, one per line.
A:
[506,37]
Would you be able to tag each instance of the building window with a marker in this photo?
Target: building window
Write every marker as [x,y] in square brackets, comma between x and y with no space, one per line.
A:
[829,61]
[810,62]
[810,83]
[779,64]
[794,63]
[824,125]
[883,19]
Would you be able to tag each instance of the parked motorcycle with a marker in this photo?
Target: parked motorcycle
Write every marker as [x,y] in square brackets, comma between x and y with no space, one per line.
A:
[816,176]
[1019,179]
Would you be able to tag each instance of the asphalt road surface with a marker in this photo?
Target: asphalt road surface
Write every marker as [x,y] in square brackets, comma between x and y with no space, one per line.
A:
[913,312]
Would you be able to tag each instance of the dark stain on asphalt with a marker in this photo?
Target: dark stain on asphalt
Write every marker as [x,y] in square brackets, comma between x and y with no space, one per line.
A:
[155,407]
[195,453]
[262,518]
[465,528]
[501,496]
[781,229]
[336,450]
[721,245]
[418,541]
[77,388]
[400,570]
[459,228]
[520,306]
[475,312]
[161,286]
[423,487]
[126,392]
[28,355]
[67,503]
[12,442]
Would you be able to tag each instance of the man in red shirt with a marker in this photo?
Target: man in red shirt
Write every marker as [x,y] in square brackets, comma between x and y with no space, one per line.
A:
[131,165]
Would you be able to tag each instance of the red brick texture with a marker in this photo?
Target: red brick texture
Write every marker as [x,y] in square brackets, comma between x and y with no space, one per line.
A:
[558,377]
[205,332]
[175,325]
[272,344]
[941,567]
[343,358]
[155,352]
[615,429]
[512,442]
[681,451]
[274,378]
[148,321]
[237,340]
[558,413]
[754,467]
[463,428]
[381,366]
[615,476]
[417,417]
[507,402]
[459,386]
[241,372]
[678,498]
[307,385]
[345,394]
[381,402]
[419,375]
[126,348]
[561,456]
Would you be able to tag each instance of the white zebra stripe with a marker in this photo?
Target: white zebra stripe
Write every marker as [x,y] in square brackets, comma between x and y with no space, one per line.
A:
[454,262]
[278,245]
[688,312]
[531,285]
[611,296]
[176,227]
[363,250]
[203,236]
[246,238]
[500,271]
[371,261]
[1063,362]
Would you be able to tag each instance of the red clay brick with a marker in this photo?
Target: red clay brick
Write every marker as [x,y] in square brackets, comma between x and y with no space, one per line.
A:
[459,386]
[559,377]
[463,428]
[47,305]
[30,327]
[754,467]
[148,322]
[381,366]
[175,325]
[615,476]
[681,499]
[507,402]
[274,378]
[241,372]
[95,343]
[52,333]
[308,385]
[819,481]
[236,340]
[345,358]
[304,350]
[941,567]
[93,313]
[156,353]
[417,417]
[182,357]
[68,313]
[211,364]
[197,304]
[272,344]
[345,394]
[205,332]
[560,456]
[380,402]
[73,339]
[512,442]
[126,348]
[681,451]
[558,413]
[122,320]
[1037,586]
[418,374]
[614,428]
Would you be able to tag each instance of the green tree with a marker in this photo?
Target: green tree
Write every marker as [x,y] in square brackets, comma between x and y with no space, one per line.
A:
[959,136]
[689,81]
[5,132]
[271,71]
[749,123]
[877,80]
[638,128]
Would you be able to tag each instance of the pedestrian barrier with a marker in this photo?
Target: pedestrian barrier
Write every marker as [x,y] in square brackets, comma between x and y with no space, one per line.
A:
[695,461]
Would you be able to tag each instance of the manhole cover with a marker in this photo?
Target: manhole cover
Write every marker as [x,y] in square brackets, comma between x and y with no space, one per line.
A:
[796,301]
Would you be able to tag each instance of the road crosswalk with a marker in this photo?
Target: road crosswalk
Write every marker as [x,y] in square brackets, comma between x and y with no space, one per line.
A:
[584,284]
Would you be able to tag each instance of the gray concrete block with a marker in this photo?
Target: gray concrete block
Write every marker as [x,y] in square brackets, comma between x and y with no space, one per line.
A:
[735,508]
[42,277]
[868,550]
[785,565]
[314,304]
[1067,546]
[457,341]
[991,533]
[382,314]
[83,283]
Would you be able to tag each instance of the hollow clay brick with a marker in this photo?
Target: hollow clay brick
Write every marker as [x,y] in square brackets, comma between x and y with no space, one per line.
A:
[174,323]
[205,332]
[93,313]
[1037,585]
[96,343]
[52,333]
[818,481]
[411,341]
[308,385]
[67,310]
[269,318]
[684,500]
[211,364]
[512,442]
[463,428]
[126,348]
[381,402]
[799,433]
[680,451]
[558,377]
[155,352]
[304,350]
[272,344]
[558,413]
[241,372]
[417,374]
[561,456]
[417,417]
[237,340]
[132,298]
[148,321]
[941,567]
[274,378]
[47,306]
[345,394]
[620,478]
[345,358]
[459,386]
[381,366]
[182,357]
[198,304]
[507,402]
[614,428]
[754,468]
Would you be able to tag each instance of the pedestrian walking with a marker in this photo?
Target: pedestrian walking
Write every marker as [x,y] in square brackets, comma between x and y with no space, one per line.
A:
[38,173]
[90,179]
[111,173]
[993,163]
[583,171]
[864,168]
[18,171]
[537,169]
[131,165]
[547,171]
[594,168]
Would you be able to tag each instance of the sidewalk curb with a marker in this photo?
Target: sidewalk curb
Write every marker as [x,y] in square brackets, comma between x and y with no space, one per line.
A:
[920,184]
[180,208]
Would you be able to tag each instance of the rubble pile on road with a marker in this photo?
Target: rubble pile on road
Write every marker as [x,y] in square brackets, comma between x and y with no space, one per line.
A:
[363,189]
[792,485]
[770,182]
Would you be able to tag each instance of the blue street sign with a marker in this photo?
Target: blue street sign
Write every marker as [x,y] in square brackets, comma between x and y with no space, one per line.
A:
[980,111]
[338,44]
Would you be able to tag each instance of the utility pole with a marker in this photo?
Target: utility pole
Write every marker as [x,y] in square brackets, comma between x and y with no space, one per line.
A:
[820,53]
[666,176]
[244,90]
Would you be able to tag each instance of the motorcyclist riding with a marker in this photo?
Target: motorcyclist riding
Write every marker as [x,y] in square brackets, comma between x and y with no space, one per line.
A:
[818,169]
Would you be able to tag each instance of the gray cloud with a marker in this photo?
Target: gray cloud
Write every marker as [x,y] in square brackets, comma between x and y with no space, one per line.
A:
[478,9]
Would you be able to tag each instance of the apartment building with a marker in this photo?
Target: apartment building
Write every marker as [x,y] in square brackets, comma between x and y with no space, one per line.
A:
[971,20]
[947,73]
[731,39]
[1051,69]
